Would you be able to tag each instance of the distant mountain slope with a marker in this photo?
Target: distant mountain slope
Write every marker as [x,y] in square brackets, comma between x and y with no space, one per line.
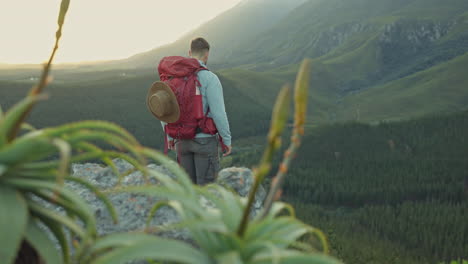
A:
[238,25]
[443,88]
[376,52]
[319,27]
[364,42]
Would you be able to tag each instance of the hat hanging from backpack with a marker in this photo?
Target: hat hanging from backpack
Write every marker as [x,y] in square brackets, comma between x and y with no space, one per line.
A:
[162,102]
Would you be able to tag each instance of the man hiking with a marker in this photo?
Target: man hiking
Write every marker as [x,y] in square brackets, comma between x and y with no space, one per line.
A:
[198,129]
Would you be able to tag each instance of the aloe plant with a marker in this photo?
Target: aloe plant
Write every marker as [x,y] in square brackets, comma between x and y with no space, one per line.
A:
[31,176]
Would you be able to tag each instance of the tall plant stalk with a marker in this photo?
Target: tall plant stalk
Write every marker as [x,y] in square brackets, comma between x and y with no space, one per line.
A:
[278,123]
[300,113]
[45,79]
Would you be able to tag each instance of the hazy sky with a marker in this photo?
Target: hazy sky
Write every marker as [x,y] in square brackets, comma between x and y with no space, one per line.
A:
[98,29]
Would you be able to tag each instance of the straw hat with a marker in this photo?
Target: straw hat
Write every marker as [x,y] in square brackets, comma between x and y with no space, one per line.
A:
[162,102]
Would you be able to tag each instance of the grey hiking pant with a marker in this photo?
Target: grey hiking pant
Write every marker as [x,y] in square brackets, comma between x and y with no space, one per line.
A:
[200,158]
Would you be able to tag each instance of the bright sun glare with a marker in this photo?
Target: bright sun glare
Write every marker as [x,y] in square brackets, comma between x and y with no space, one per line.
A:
[98,29]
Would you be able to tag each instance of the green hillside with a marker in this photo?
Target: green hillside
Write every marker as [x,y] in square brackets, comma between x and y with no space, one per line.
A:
[263,87]
[372,60]
[443,88]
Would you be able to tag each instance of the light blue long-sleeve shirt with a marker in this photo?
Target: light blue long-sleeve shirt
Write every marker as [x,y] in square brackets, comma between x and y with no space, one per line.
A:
[212,97]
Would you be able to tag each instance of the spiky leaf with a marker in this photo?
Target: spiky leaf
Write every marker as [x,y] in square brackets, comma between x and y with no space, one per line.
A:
[10,119]
[155,248]
[13,220]
[44,246]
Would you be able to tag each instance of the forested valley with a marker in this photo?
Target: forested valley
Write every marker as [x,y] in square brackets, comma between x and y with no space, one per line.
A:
[396,191]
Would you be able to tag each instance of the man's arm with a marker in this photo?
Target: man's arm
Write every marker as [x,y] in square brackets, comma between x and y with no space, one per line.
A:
[215,101]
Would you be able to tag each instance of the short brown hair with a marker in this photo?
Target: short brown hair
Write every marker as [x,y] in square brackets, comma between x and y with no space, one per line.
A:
[199,45]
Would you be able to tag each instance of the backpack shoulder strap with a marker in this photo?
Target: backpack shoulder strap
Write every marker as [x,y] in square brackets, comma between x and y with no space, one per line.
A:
[202,68]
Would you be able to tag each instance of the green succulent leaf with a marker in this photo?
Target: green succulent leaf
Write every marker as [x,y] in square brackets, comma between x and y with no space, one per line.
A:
[230,258]
[65,153]
[151,247]
[48,174]
[66,221]
[58,231]
[104,199]
[279,207]
[109,138]
[107,160]
[28,127]
[166,180]
[230,206]
[26,149]
[13,221]
[190,202]
[44,246]
[93,125]
[79,206]
[207,225]
[11,118]
[173,167]
[118,240]
[293,257]
[154,210]
[3,169]
[282,230]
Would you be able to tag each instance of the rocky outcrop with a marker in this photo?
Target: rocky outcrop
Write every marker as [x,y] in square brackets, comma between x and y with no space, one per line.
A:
[133,209]
[414,33]
[409,46]
[321,43]
[335,36]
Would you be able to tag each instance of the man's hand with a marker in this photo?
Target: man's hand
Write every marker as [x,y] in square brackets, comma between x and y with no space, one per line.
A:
[227,151]
[171,145]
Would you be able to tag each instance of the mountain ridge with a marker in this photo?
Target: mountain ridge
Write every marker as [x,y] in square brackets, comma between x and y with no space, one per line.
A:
[242,22]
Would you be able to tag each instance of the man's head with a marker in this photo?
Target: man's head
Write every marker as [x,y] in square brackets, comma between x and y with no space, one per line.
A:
[199,49]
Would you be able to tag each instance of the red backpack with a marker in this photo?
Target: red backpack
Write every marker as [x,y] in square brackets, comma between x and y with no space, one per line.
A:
[180,74]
